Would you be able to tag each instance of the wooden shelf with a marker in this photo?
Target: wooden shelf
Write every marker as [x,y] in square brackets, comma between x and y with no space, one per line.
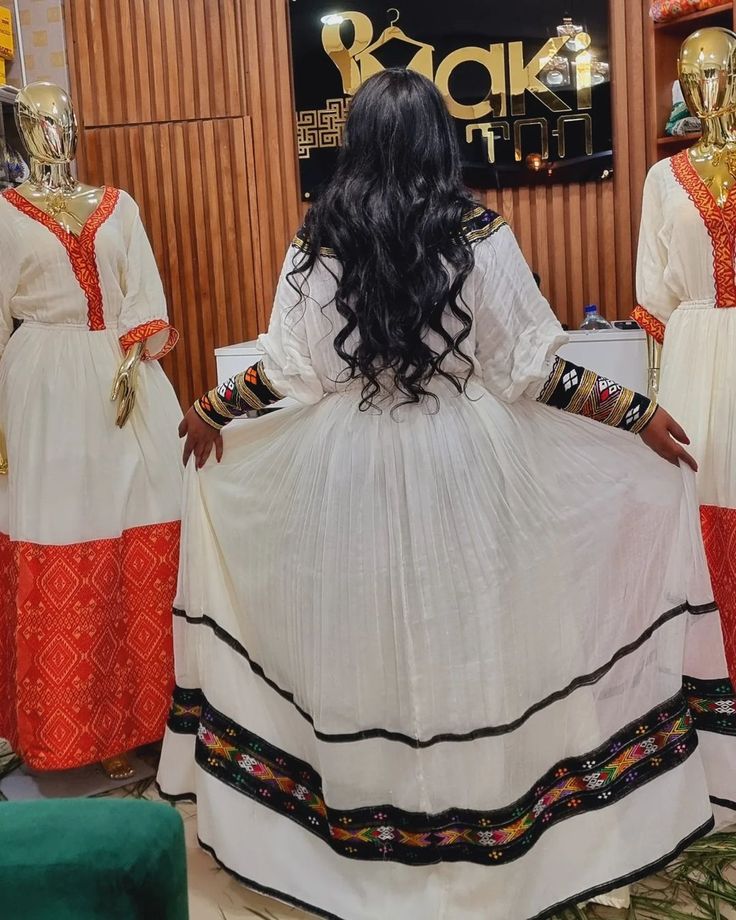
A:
[693,19]
[677,140]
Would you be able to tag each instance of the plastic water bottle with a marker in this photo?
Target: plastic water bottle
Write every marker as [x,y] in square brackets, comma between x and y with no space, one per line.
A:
[593,319]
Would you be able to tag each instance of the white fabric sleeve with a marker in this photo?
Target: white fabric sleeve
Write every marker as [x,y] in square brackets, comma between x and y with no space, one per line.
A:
[285,347]
[652,292]
[143,316]
[9,280]
[517,334]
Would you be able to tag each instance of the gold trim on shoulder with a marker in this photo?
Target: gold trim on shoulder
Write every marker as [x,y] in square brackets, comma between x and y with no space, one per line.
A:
[300,243]
[473,235]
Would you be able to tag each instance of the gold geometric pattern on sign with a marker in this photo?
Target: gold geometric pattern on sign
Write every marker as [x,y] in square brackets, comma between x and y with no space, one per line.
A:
[317,129]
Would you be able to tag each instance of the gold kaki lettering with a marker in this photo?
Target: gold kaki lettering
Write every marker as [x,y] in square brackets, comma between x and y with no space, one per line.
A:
[357,62]
[525,77]
[493,61]
[344,58]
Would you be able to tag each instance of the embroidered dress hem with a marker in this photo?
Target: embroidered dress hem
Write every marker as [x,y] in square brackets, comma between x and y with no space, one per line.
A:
[85,645]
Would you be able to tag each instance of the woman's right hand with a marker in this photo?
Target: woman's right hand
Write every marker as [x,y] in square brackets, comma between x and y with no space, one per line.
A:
[665,437]
[200,439]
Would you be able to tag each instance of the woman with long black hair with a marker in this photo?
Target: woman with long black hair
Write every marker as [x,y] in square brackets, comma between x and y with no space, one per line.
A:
[432,631]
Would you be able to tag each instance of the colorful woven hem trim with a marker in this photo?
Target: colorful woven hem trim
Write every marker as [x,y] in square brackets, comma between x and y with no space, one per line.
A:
[650,324]
[660,741]
[146,331]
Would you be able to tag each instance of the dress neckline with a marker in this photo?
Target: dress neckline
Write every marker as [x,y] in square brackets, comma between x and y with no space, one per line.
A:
[694,177]
[32,210]
[80,249]
[720,223]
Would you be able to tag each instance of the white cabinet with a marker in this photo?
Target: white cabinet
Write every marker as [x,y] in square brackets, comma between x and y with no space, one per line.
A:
[620,354]
[235,358]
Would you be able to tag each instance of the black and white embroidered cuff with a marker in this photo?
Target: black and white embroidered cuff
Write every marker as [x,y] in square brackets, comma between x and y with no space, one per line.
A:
[249,391]
[582,392]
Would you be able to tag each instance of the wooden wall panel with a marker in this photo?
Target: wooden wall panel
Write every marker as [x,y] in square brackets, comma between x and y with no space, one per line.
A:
[270,104]
[582,239]
[138,61]
[200,229]
[188,104]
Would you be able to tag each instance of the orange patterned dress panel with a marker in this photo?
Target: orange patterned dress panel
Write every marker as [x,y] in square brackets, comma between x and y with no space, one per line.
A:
[86,649]
[719,222]
[719,537]
[144,332]
[80,250]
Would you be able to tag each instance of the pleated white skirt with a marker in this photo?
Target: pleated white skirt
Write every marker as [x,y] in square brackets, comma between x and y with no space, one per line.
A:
[412,648]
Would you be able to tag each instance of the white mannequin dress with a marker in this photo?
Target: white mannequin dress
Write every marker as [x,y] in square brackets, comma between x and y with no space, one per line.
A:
[89,513]
[687,294]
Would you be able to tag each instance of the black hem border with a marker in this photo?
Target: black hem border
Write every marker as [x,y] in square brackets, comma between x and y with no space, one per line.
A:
[549,912]
[190,797]
[495,731]
[723,803]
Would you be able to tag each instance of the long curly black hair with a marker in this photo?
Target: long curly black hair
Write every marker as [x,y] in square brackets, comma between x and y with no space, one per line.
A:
[392,214]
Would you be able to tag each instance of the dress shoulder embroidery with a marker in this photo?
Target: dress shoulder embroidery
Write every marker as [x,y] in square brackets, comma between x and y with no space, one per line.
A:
[301,242]
[478,224]
[481,223]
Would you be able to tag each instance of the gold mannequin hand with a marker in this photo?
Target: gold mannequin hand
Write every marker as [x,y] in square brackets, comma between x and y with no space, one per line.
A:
[654,351]
[123,388]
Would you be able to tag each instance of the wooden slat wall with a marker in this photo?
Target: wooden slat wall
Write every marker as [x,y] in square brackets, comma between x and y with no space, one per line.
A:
[582,239]
[188,105]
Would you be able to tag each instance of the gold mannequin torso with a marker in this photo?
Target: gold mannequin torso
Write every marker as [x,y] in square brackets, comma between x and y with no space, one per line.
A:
[70,209]
[716,166]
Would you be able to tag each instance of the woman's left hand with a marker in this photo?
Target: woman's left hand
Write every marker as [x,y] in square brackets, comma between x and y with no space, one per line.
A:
[200,439]
[665,437]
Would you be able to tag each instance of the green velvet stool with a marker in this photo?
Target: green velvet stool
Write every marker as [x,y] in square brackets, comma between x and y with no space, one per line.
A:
[92,859]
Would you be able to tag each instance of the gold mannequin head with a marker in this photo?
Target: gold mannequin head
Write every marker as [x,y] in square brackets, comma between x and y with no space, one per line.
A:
[707,71]
[47,123]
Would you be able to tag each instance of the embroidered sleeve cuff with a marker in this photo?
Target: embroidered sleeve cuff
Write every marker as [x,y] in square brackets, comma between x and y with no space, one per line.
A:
[650,324]
[647,415]
[582,392]
[248,391]
[159,335]
[204,409]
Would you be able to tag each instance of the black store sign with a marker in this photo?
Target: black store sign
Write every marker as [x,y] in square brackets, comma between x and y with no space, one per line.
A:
[527,81]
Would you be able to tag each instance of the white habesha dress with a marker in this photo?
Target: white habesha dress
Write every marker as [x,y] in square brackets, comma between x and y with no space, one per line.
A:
[443,665]
[89,513]
[686,288]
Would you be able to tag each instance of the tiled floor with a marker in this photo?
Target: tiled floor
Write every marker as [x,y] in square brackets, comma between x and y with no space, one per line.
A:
[214,894]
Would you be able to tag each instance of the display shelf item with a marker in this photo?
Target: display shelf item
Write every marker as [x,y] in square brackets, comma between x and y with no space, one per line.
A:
[692,21]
